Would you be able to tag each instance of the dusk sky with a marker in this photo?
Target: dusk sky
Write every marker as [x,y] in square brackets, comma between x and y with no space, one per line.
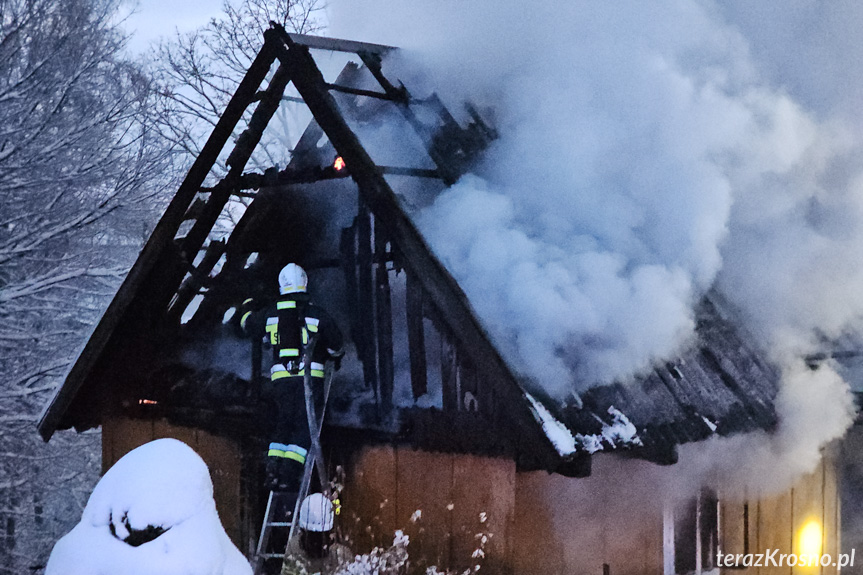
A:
[155,18]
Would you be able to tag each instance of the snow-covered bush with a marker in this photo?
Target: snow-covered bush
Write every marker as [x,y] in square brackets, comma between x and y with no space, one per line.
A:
[395,559]
[152,513]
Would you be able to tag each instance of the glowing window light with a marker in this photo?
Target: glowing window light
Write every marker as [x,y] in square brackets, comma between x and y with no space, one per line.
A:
[810,539]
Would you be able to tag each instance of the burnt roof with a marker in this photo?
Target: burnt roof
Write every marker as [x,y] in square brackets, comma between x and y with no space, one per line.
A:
[719,386]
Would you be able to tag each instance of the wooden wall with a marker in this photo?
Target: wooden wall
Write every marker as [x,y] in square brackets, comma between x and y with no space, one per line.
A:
[565,526]
[121,435]
[458,497]
[776,522]
[554,525]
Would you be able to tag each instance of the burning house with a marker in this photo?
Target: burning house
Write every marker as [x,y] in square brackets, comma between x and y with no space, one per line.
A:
[427,414]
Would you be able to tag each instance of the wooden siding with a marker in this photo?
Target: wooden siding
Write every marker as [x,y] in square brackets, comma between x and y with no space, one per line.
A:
[222,456]
[441,501]
[550,524]
[776,522]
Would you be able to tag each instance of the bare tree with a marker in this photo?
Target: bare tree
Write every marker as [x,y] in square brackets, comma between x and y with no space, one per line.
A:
[199,71]
[81,169]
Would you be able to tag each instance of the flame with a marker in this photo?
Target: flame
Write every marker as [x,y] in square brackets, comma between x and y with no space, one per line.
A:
[339,164]
[147,402]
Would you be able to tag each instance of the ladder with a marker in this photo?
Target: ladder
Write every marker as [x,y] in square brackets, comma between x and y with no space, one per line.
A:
[283,508]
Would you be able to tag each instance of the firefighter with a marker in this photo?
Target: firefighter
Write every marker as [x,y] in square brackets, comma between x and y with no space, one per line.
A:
[289,325]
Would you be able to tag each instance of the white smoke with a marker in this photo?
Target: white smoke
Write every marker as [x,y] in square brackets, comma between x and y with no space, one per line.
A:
[648,152]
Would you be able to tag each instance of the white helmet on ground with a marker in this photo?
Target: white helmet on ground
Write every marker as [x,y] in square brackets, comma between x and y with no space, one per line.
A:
[316,513]
[292,279]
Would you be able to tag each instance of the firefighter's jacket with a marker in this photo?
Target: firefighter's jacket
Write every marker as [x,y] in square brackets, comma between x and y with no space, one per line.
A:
[289,324]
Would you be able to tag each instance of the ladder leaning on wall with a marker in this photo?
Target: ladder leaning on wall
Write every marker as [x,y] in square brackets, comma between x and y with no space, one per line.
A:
[283,508]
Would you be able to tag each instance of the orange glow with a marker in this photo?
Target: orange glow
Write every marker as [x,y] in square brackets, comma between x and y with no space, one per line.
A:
[339,164]
[810,537]
[147,402]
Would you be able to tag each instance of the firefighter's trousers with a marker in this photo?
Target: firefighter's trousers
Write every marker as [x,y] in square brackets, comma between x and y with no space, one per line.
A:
[291,438]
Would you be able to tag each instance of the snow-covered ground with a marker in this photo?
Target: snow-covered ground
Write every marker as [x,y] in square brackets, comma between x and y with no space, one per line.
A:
[152,513]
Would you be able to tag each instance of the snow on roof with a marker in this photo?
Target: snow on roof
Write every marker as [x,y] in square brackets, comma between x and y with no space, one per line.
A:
[152,513]
[559,435]
[619,433]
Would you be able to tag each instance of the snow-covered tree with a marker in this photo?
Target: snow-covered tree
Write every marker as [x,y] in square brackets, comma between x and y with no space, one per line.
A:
[80,172]
[89,143]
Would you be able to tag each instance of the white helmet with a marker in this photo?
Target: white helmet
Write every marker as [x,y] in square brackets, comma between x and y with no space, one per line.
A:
[316,513]
[292,279]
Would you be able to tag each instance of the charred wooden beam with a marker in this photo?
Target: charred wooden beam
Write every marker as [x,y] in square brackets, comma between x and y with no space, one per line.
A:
[359,92]
[198,278]
[195,210]
[230,286]
[307,144]
[415,172]
[469,398]
[449,370]
[291,175]
[384,320]
[416,337]
[338,45]
[237,161]
[436,280]
[373,63]
[365,295]
[159,244]
[348,248]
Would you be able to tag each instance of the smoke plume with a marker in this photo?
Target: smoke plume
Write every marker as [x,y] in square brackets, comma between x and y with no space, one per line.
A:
[649,152]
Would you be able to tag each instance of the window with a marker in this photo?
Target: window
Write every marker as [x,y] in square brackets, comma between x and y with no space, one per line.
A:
[691,536]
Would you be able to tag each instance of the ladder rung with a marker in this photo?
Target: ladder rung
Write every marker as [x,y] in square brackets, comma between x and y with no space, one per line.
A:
[280,524]
[273,555]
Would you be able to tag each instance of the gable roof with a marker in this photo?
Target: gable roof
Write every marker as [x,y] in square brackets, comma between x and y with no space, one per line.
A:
[713,388]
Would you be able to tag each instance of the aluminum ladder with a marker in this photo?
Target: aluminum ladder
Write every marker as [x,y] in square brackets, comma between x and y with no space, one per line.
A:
[280,501]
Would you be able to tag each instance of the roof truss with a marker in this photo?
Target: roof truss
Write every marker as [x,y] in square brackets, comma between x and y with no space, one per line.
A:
[151,286]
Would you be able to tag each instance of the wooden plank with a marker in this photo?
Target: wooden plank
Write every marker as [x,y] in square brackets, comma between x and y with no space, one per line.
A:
[483,497]
[160,240]
[414,172]
[469,393]
[358,92]
[534,546]
[109,425]
[775,529]
[198,278]
[348,250]
[339,45]
[223,457]
[449,371]
[808,517]
[188,435]
[437,282]
[425,486]
[365,294]
[368,515]
[237,160]
[416,337]
[832,517]
[732,527]
[214,307]
[127,434]
[384,308]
